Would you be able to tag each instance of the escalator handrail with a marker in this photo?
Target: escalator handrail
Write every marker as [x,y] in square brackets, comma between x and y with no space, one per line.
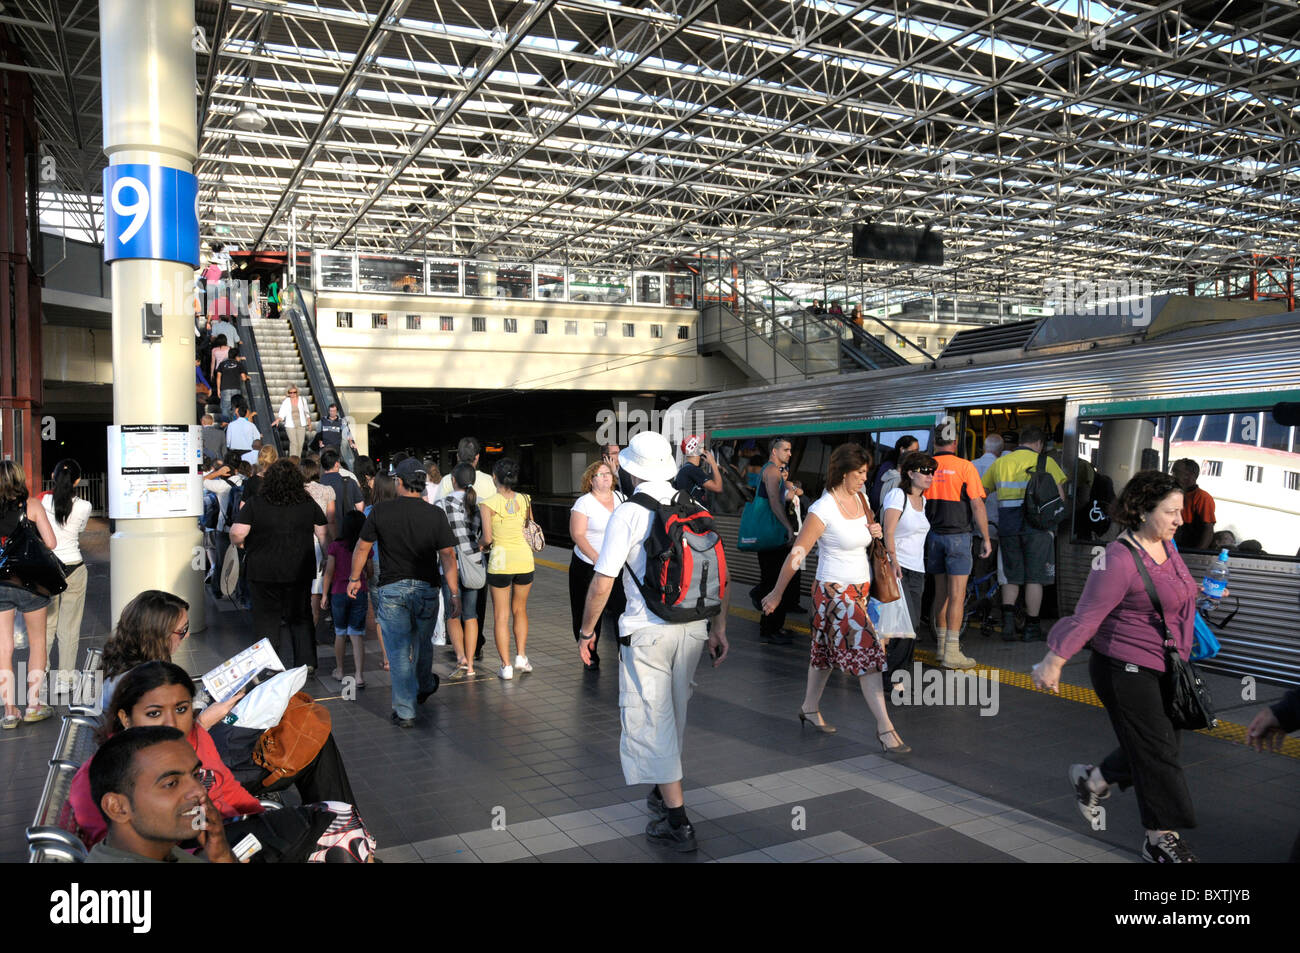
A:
[313,361]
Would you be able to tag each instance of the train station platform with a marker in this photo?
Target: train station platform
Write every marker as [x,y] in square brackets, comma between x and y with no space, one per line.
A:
[528,770]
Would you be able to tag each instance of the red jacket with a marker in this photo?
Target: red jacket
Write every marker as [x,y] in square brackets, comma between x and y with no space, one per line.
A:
[227,794]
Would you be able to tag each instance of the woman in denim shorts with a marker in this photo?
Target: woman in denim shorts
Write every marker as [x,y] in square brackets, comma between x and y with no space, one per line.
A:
[14,503]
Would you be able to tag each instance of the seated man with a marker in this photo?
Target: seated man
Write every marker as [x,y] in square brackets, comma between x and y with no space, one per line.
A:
[146,782]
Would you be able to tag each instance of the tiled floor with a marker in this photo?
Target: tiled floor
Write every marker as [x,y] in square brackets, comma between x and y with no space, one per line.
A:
[528,770]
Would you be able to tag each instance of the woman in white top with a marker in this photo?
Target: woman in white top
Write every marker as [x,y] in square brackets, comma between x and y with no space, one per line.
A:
[296,417]
[842,525]
[906,526]
[587,523]
[68,515]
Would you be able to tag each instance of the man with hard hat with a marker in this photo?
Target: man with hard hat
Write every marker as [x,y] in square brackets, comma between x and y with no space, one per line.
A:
[656,658]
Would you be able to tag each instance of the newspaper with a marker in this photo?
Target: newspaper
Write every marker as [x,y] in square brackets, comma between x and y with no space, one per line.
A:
[250,667]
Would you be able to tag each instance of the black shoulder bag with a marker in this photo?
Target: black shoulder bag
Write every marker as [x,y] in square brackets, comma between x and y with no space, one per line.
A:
[1187,699]
[27,563]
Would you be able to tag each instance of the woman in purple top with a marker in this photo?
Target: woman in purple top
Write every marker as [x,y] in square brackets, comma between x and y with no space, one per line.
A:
[1116,616]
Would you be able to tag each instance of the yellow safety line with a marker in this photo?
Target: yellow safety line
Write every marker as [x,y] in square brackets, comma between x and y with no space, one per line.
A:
[1226,731]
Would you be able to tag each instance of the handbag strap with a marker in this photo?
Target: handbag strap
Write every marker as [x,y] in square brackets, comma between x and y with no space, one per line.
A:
[1168,642]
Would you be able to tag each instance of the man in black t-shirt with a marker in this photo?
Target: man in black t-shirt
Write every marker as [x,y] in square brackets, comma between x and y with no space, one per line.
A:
[229,380]
[693,478]
[413,537]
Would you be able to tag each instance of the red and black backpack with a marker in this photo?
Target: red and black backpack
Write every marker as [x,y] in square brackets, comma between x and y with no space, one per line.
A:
[685,567]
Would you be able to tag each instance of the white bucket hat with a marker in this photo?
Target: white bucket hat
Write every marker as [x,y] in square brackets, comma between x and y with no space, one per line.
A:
[649,456]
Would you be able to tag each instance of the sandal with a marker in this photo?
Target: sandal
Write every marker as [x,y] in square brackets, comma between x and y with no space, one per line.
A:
[37,713]
[361,682]
[899,748]
[337,675]
[458,673]
[10,722]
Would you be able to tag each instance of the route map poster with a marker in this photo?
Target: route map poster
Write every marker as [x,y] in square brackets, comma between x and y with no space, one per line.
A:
[154,471]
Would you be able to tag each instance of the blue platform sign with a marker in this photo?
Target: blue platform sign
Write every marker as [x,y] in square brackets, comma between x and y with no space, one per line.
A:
[151,211]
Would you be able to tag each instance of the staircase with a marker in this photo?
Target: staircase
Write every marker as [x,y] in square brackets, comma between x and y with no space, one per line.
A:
[282,367]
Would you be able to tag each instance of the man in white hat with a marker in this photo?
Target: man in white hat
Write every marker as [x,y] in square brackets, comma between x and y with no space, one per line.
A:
[656,658]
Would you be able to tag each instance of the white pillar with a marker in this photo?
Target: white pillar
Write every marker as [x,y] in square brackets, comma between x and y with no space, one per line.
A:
[149,108]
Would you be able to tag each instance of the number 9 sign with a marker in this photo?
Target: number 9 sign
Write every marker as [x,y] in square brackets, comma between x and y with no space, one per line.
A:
[151,212]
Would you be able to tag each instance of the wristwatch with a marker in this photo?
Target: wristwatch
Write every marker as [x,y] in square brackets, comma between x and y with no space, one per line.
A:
[354,578]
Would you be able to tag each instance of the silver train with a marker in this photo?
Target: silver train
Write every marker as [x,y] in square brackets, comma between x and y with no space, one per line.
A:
[1197,382]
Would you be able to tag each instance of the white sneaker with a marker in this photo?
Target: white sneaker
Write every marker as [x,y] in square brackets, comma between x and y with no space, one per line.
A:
[506,672]
[522,663]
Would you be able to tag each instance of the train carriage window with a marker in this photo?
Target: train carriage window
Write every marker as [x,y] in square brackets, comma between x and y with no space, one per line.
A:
[1110,452]
[1231,458]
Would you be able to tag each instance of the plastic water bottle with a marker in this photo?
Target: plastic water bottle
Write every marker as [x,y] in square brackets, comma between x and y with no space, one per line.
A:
[1216,580]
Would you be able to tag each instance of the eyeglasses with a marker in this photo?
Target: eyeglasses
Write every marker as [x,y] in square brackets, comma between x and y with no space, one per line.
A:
[927,471]
[182,631]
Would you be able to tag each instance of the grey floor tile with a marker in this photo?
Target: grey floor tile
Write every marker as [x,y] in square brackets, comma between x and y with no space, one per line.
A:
[549,843]
[795,852]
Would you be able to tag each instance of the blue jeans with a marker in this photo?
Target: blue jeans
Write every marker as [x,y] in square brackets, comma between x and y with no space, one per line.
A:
[407,612]
[227,404]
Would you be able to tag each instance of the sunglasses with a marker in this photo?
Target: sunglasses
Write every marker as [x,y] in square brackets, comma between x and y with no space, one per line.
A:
[927,471]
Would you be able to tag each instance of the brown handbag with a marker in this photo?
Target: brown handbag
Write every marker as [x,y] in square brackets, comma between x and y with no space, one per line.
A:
[884,583]
[294,743]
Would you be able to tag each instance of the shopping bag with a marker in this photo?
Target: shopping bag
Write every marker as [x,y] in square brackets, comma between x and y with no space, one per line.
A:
[894,622]
[1205,644]
[264,706]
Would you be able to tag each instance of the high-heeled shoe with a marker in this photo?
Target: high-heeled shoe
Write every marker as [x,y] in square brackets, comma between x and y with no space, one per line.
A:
[805,717]
[900,748]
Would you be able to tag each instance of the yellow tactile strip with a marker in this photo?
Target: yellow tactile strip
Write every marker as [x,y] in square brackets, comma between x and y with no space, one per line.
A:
[1226,731]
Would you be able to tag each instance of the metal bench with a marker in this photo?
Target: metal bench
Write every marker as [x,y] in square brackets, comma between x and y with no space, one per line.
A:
[52,837]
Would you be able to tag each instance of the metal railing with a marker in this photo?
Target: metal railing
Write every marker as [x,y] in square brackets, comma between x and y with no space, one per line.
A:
[93,488]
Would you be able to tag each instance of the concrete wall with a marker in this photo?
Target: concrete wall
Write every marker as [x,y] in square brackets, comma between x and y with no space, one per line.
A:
[463,358]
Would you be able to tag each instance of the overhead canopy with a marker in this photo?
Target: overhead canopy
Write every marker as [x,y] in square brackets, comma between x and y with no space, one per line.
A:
[1046,140]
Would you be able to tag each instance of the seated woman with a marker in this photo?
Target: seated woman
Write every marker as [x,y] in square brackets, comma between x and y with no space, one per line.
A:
[160,693]
[151,629]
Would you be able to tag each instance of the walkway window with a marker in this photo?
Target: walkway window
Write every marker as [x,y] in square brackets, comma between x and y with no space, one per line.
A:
[379,319]
[343,319]
[478,324]
[920,342]
[444,276]
[446,323]
[412,322]
[390,274]
[570,327]
[683,333]
[511,325]
[539,326]
[599,328]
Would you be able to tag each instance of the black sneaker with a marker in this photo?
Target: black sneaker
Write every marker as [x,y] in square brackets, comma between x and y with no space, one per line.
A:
[1087,800]
[403,722]
[422,697]
[661,832]
[1170,849]
[1009,627]
[1033,632]
[775,638]
[655,802]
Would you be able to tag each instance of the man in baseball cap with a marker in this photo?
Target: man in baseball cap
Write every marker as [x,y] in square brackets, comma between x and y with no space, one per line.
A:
[656,658]
[693,478]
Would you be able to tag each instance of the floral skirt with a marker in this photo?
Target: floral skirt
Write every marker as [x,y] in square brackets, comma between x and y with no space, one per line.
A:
[842,634]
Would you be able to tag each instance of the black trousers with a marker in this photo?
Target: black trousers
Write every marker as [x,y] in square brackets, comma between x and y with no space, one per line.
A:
[580,576]
[325,779]
[286,604]
[899,654]
[769,568]
[1148,754]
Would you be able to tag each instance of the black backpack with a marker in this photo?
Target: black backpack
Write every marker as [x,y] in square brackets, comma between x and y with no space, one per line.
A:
[685,567]
[232,502]
[211,510]
[1044,508]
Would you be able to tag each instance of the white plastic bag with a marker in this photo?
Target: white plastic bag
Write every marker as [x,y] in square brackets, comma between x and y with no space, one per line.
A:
[895,622]
[440,629]
[264,706]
